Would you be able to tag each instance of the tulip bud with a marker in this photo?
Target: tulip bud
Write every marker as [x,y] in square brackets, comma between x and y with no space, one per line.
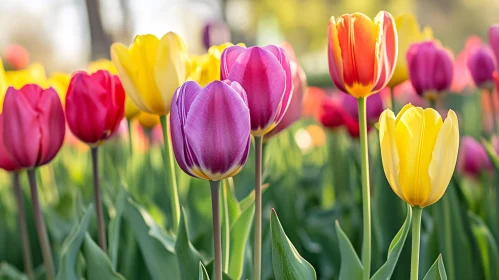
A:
[362,52]
[265,75]
[33,125]
[94,106]
[430,69]
[210,129]
[419,152]
[481,66]
[494,41]
[473,158]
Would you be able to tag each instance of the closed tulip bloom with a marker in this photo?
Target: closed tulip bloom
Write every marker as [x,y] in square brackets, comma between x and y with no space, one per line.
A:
[473,158]
[430,68]
[33,125]
[94,106]
[419,152]
[6,161]
[362,52]
[481,65]
[151,69]
[494,40]
[408,32]
[210,129]
[265,75]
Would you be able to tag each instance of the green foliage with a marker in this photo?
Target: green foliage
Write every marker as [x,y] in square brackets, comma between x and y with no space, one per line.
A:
[98,265]
[351,267]
[437,270]
[203,274]
[187,256]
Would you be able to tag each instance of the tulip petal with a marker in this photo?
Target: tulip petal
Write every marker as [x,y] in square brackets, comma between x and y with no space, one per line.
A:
[227,60]
[388,49]
[219,137]
[416,134]
[494,41]
[389,153]
[52,125]
[443,77]
[444,158]
[334,56]
[6,161]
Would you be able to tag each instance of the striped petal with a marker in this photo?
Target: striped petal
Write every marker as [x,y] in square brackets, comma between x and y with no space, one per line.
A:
[334,56]
[388,49]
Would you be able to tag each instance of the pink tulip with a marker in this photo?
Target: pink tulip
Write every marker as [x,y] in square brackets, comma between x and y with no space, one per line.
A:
[462,78]
[210,129]
[6,161]
[265,75]
[430,68]
[494,41]
[481,65]
[473,158]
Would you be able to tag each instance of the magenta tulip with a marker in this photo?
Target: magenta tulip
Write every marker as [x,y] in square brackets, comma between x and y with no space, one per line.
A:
[473,158]
[265,75]
[33,125]
[494,41]
[6,161]
[430,68]
[481,65]
[210,129]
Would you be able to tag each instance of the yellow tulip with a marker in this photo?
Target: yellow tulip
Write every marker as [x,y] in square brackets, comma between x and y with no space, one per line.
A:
[131,111]
[408,33]
[151,69]
[60,82]
[419,152]
[34,74]
[147,120]
[3,85]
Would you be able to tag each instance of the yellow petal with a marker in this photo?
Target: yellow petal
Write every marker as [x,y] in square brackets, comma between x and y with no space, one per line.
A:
[131,111]
[402,111]
[444,158]
[172,66]
[3,85]
[60,82]
[416,134]
[34,74]
[102,64]
[389,153]
[147,120]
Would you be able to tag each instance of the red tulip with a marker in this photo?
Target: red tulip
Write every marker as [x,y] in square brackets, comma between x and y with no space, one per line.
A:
[33,125]
[95,105]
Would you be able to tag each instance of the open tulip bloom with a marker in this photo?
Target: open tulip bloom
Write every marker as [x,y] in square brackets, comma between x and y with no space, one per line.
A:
[210,131]
[419,153]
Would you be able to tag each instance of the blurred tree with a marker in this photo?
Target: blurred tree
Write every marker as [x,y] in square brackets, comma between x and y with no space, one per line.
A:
[100,41]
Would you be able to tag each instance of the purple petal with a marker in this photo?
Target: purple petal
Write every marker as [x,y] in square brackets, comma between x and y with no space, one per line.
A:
[228,58]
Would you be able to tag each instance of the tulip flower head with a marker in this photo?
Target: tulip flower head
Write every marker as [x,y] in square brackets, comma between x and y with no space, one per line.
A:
[33,125]
[408,32]
[210,129]
[362,52]
[6,161]
[265,75]
[419,152]
[481,65]
[495,75]
[494,41]
[473,158]
[430,69]
[151,69]
[94,106]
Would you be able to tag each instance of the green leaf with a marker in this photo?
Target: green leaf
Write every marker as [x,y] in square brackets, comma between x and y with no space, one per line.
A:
[9,272]
[160,261]
[71,247]
[239,234]
[99,266]
[114,226]
[492,153]
[351,267]
[287,262]
[250,198]
[386,270]
[437,270]
[211,267]
[187,256]
[203,274]
[488,248]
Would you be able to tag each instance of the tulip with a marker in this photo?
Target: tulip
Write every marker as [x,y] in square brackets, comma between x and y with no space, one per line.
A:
[94,106]
[362,52]
[408,33]
[473,158]
[6,161]
[148,121]
[430,69]
[3,85]
[206,68]
[494,41]
[462,79]
[481,65]
[151,69]
[60,82]
[33,123]
[34,74]
[210,131]
[295,108]
[265,74]
[495,75]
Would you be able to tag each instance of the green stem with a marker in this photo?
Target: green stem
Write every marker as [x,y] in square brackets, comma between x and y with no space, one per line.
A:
[28,267]
[257,269]
[40,227]
[226,240]
[101,228]
[366,199]
[217,237]
[130,140]
[416,233]
[493,110]
[392,96]
[170,166]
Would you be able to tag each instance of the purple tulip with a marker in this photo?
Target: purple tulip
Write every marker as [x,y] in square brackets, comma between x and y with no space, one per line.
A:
[215,33]
[473,158]
[265,75]
[481,66]
[430,68]
[494,41]
[210,129]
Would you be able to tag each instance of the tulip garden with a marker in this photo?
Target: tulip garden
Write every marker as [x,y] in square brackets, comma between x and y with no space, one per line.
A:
[161,164]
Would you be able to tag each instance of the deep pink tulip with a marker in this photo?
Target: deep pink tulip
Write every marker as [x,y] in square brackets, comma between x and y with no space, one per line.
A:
[6,161]
[481,65]
[265,75]
[430,68]
[473,158]
[494,41]
[295,108]
[462,78]
[33,125]
[95,105]
[210,129]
